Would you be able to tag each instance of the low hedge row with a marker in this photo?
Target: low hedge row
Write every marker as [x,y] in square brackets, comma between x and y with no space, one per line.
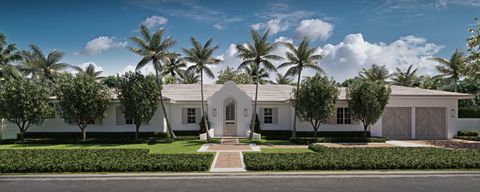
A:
[275,135]
[99,160]
[309,140]
[469,138]
[364,158]
[467,133]
[469,112]
[103,135]
[152,140]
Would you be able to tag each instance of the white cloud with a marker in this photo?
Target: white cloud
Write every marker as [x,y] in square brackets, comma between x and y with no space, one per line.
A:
[314,29]
[274,25]
[224,23]
[345,59]
[146,70]
[154,21]
[102,43]
[85,65]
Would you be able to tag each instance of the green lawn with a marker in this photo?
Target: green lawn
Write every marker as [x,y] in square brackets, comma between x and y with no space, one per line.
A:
[267,142]
[190,146]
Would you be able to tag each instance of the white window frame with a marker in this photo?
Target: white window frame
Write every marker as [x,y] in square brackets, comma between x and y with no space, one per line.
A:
[129,121]
[268,116]
[344,116]
[191,115]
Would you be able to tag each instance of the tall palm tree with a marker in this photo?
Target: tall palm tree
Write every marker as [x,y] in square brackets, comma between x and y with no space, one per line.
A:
[453,69]
[405,78]
[43,66]
[282,79]
[8,55]
[375,73]
[257,53]
[303,57]
[252,71]
[174,65]
[188,77]
[90,70]
[202,56]
[153,49]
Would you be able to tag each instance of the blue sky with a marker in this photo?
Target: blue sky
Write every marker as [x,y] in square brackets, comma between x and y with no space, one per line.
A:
[350,34]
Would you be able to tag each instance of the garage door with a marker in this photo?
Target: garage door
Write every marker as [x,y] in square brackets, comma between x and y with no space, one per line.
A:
[396,123]
[430,123]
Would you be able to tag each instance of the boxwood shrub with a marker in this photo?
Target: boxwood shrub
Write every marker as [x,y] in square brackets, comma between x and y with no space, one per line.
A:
[309,140]
[467,133]
[469,138]
[364,158]
[98,160]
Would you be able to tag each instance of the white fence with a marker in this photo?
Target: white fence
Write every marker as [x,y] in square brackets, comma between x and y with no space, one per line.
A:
[468,124]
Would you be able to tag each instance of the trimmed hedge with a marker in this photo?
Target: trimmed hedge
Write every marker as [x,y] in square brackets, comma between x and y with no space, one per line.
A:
[309,140]
[103,135]
[99,160]
[187,133]
[469,112]
[469,138]
[467,133]
[364,158]
[151,140]
[280,135]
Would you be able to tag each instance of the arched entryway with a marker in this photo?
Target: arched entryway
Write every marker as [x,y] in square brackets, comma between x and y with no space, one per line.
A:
[230,117]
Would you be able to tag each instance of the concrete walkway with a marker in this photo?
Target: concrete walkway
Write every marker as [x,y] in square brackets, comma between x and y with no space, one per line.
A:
[228,157]
[406,144]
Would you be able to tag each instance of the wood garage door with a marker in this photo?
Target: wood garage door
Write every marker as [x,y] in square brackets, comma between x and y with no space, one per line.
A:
[397,123]
[430,123]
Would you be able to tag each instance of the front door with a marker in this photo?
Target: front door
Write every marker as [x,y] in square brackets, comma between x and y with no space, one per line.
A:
[230,124]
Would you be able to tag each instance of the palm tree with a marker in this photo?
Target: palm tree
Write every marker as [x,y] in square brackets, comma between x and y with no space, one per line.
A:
[8,55]
[258,54]
[453,69]
[174,65]
[282,79]
[90,70]
[303,57]
[202,56]
[188,77]
[405,78]
[41,66]
[152,48]
[251,70]
[375,73]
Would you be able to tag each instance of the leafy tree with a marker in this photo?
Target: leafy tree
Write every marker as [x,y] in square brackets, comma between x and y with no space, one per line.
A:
[230,74]
[375,73]
[315,101]
[152,48]
[8,55]
[111,81]
[405,78]
[202,56]
[82,100]
[428,82]
[257,53]
[282,79]
[367,101]
[298,59]
[90,70]
[451,70]
[138,95]
[348,82]
[41,66]
[24,103]
[473,43]
[251,70]
[168,79]
[188,77]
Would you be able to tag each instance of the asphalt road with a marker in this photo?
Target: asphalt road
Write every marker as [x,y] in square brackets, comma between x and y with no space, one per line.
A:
[246,183]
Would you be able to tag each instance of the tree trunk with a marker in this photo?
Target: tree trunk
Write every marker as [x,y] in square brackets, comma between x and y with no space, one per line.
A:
[137,128]
[21,135]
[159,84]
[365,127]
[455,86]
[203,108]
[294,131]
[315,131]
[84,134]
[254,111]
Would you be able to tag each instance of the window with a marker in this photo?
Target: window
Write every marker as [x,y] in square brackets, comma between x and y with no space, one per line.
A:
[129,121]
[191,116]
[344,116]
[51,114]
[268,116]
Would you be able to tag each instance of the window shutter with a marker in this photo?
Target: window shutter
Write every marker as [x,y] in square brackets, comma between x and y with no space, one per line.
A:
[120,116]
[275,116]
[198,115]
[184,115]
[260,116]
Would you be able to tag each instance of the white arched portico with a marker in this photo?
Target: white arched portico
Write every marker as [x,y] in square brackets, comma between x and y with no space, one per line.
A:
[230,111]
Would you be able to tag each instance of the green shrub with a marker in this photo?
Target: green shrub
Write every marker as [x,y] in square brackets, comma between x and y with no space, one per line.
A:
[98,160]
[469,112]
[76,135]
[187,133]
[469,138]
[88,141]
[364,158]
[467,133]
[310,140]
[280,135]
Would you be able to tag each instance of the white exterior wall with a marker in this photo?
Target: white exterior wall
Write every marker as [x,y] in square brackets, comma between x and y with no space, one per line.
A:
[284,116]
[468,124]
[176,116]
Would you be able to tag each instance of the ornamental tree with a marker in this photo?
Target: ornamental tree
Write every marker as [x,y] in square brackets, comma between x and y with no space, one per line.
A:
[24,102]
[139,96]
[315,101]
[229,74]
[367,101]
[82,100]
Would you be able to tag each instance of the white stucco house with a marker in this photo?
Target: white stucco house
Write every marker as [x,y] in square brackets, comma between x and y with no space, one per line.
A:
[412,113]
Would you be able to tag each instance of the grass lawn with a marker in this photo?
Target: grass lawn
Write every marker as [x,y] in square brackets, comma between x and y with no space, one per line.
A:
[267,142]
[189,146]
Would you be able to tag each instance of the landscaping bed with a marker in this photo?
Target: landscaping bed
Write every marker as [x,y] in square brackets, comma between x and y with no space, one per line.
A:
[99,160]
[310,140]
[364,159]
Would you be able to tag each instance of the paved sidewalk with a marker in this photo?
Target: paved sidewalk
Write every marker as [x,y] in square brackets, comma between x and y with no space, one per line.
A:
[407,144]
[228,157]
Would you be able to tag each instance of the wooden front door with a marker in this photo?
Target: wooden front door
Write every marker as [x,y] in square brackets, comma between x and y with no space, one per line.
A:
[230,123]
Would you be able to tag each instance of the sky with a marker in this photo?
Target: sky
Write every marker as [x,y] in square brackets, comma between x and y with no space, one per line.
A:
[350,34]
